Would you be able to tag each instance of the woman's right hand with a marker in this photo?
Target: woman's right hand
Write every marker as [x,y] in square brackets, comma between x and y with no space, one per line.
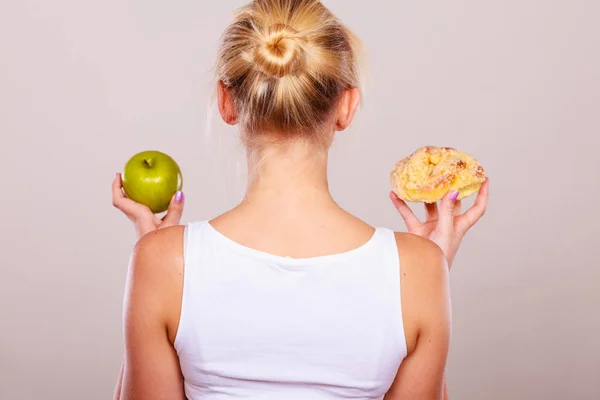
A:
[143,219]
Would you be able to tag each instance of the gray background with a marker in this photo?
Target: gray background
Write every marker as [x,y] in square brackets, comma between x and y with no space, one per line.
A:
[86,84]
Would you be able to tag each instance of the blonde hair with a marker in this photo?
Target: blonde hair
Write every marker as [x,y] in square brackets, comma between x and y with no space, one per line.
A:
[285,64]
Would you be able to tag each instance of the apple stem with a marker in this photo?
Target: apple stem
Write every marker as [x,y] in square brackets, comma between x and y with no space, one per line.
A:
[146,164]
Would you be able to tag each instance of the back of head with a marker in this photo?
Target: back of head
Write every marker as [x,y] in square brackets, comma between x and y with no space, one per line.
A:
[285,64]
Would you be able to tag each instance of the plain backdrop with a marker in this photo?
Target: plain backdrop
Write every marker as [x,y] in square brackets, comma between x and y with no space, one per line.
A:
[86,84]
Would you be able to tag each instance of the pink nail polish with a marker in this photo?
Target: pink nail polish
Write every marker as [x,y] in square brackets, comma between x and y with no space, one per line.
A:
[179,196]
[454,196]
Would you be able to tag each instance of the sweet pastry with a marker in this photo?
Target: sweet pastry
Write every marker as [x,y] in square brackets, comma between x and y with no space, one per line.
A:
[431,172]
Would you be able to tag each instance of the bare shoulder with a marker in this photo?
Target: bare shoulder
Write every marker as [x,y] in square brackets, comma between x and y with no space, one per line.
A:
[155,275]
[417,252]
[424,283]
[161,244]
[158,254]
[157,260]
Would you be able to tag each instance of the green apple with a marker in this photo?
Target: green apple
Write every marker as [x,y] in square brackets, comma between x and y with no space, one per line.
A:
[152,178]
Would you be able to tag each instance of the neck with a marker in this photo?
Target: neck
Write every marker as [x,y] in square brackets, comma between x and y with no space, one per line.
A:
[291,176]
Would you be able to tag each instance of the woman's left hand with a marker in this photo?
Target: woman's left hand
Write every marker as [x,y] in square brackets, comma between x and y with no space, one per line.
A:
[445,226]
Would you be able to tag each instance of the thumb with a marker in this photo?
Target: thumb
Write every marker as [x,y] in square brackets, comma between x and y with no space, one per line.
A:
[446,213]
[175,211]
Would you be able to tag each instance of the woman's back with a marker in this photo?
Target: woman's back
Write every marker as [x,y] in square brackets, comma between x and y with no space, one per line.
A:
[258,325]
[208,317]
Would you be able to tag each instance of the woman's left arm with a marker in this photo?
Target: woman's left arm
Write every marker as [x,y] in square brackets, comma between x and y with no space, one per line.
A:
[151,369]
[445,225]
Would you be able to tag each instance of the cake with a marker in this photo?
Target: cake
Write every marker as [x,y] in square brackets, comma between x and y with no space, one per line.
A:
[431,172]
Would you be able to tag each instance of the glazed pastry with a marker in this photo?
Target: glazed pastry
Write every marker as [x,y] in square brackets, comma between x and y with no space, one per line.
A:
[431,172]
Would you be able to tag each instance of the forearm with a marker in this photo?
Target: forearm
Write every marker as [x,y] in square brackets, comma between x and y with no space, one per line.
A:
[117,395]
[446,395]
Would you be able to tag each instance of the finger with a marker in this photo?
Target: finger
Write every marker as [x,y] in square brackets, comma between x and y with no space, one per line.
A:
[175,211]
[117,185]
[472,215]
[431,211]
[129,207]
[457,207]
[118,197]
[410,219]
[446,213]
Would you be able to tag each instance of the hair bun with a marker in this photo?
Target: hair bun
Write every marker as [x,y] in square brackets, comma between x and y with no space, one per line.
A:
[285,64]
[281,51]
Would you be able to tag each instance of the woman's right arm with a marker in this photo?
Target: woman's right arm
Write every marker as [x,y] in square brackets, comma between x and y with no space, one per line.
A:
[151,368]
[117,394]
[427,314]
[144,222]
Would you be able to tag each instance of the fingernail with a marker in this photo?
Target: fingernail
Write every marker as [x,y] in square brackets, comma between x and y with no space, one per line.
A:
[454,196]
[179,196]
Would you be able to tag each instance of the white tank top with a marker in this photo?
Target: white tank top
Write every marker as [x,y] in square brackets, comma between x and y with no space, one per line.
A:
[259,326]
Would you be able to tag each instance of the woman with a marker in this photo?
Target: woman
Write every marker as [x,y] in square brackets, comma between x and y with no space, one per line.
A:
[288,296]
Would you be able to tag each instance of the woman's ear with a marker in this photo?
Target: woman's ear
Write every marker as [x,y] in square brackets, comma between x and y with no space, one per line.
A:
[346,108]
[226,107]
